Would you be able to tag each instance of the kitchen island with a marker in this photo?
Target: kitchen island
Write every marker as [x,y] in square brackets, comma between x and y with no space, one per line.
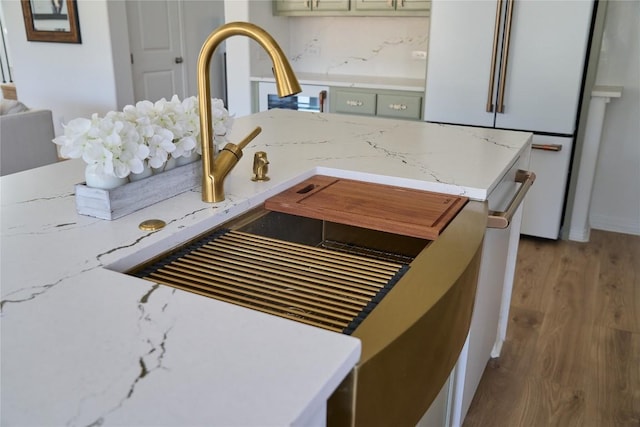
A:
[83,344]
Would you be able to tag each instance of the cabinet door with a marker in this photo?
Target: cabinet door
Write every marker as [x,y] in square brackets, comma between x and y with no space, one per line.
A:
[330,5]
[392,5]
[458,68]
[402,106]
[543,205]
[292,5]
[353,102]
[545,65]
[286,6]
[436,415]
[374,5]
[413,4]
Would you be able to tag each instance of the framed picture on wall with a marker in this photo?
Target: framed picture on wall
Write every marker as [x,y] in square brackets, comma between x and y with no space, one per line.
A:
[51,20]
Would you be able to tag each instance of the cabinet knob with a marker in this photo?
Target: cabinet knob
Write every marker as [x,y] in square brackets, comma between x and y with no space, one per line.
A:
[179,60]
[397,107]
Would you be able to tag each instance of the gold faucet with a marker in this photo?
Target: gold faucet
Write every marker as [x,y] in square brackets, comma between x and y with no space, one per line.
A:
[216,168]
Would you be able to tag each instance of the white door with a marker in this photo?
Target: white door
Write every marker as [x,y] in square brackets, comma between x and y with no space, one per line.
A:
[155,38]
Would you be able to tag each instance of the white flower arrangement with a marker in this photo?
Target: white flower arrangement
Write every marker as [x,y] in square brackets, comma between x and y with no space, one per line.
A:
[121,143]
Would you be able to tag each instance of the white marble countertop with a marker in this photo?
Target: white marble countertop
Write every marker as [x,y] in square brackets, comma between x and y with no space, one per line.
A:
[85,345]
[366,82]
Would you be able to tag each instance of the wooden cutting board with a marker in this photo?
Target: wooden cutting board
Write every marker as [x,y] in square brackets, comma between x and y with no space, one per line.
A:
[409,212]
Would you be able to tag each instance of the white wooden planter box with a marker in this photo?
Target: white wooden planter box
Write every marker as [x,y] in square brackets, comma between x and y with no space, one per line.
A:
[133,196]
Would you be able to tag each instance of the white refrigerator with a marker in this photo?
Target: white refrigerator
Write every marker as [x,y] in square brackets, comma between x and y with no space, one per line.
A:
[517,65]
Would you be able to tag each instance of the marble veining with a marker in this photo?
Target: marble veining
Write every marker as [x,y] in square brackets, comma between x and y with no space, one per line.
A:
[351,62]
[375,46]
[83,344]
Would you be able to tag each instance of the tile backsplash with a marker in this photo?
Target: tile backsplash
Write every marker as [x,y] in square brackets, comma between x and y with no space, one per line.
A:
[364,46]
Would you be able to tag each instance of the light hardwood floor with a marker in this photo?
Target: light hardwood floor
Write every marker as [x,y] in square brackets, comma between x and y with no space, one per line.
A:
[572,353]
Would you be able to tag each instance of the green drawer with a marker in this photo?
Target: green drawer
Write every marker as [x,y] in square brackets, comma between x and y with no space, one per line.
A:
[355,102]
[400,106]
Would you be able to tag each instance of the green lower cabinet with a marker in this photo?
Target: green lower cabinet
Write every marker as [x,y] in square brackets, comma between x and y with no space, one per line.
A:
[381,103]
[401,106]
[353,102]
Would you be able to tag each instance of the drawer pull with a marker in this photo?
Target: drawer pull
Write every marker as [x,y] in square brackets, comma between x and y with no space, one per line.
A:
[397,107]
[547,147]
[502,219]
[354,103]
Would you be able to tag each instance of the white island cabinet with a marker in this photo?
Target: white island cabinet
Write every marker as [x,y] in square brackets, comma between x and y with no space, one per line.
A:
[84,344]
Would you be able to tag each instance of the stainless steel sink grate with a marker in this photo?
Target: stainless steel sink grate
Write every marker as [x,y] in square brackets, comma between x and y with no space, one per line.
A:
[317,286]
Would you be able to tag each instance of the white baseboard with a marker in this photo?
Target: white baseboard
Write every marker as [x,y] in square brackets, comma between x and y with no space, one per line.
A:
[617,225]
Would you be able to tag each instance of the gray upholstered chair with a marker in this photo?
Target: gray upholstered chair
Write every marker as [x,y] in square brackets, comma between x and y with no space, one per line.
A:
[25,141]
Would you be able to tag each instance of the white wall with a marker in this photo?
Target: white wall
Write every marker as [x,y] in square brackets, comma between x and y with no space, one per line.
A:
[615,201]
[72,80]
[238,63]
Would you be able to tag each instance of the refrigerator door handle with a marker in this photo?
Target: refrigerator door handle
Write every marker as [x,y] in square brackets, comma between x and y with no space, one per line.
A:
[494,54]
[505,56]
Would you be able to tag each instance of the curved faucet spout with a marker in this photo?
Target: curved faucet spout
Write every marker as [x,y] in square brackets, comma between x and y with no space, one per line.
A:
[212,175]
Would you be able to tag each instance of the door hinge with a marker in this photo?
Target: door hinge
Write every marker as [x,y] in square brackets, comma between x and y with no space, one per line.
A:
[131,57]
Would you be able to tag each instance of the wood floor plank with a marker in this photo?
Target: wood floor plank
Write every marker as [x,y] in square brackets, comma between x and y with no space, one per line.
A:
[562,355]
[526,402]
[499,376]
[538,262]
[486,409]
[545,403]
[522,334]
[614,380]
[618,293]
[572,352]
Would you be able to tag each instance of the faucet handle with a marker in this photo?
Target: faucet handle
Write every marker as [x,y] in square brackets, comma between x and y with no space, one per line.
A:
[247,139]
[236,149]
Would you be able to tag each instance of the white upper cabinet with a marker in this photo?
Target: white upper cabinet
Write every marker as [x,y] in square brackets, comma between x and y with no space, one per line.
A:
[351,7]
[285,6]
[391,5]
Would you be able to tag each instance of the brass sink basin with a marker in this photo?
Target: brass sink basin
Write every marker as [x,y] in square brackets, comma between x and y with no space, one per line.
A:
[412,323]
[315,272]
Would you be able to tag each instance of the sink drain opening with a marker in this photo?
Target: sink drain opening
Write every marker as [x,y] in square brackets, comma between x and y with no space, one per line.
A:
[317,286]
